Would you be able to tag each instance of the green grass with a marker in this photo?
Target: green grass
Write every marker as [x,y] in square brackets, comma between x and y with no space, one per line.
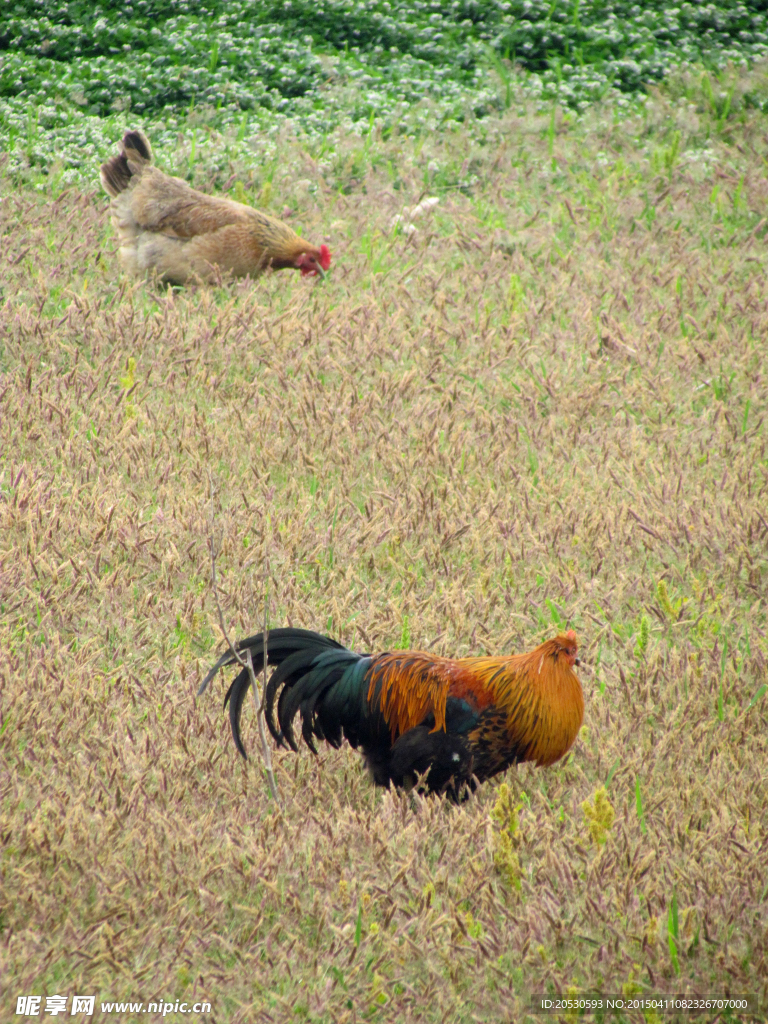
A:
[546,406]
[72,76]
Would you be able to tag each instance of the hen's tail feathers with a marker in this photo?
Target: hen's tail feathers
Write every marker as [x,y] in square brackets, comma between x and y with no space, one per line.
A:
[135,153]
[308,666]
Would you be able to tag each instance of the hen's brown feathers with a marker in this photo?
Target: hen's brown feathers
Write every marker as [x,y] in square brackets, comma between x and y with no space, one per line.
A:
[117,172]
[169,229]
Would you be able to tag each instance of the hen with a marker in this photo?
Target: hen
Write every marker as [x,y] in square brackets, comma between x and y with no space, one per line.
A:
[169,229]
[460,721]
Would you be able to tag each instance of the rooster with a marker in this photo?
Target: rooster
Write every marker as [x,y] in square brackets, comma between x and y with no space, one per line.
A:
[451,723]
[171,230]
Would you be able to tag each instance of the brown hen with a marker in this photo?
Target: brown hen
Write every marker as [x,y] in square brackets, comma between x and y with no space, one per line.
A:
[170,230]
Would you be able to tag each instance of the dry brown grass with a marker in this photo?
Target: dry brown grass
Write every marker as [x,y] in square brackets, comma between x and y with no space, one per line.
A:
[547,405]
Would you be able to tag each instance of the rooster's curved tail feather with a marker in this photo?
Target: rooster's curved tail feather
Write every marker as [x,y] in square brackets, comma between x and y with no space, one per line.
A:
[315,675]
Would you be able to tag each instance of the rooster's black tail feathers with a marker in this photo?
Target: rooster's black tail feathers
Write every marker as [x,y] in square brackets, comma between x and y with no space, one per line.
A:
[308,668]
[330,686]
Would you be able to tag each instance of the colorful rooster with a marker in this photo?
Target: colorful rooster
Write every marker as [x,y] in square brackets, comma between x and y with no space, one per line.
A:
[454,722]
[171,230]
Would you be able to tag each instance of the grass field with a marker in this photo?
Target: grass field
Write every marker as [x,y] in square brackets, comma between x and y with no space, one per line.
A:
[74,74]
[544,406]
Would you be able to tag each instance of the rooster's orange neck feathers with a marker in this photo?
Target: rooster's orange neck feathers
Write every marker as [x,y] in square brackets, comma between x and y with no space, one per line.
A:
[539,691]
